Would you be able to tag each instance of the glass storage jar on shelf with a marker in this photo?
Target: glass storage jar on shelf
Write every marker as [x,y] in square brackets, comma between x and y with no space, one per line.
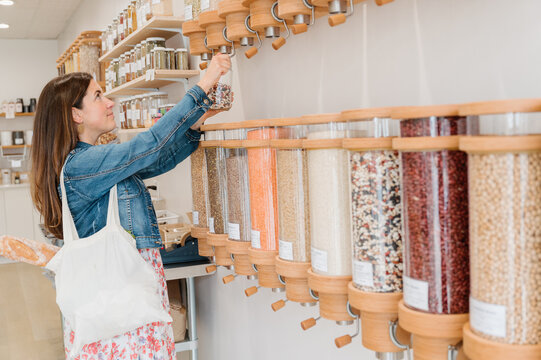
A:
[126,15]
[328,179]
[374,188]
[133,64]
[103,39]
[192,9]
[138,61]
[122,112]
[132,19]
[115,73]
[122,70]
[128,63]
[115,32]
[435,208]
[145,107]
[504,177]
[156,100]
[151,44]
[169,58]
[292,190]
[139,111]
[148,10]
[143,56]
[162,7]
[181,59]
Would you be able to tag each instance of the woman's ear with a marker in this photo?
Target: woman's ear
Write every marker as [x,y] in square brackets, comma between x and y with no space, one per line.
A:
[77,115]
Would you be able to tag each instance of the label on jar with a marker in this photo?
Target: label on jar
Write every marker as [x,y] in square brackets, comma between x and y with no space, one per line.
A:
[127,68]
[139,65]
[363,273]
[285,250]
[19,107]
[233,230]
[256,239]
[319,260]
[128,114]
[416,293]
[205,4]
[211,225]
[155,2]
[145,114]
[195,217]
[18,141]
[188,12]
[120,28]
[488,318]
[133,67]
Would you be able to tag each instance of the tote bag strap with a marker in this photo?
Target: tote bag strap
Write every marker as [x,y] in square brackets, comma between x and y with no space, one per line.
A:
[68,225]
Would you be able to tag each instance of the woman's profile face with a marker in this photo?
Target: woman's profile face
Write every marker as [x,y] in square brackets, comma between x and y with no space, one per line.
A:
[97,111]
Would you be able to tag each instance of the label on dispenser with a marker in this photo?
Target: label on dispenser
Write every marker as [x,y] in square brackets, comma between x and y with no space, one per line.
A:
[233,230]
[487,318]
[416,293]
[319,260]
[188,12]
[195,216]
[211,225]
[205,4]
[363,273]
[256,239]
[285,250]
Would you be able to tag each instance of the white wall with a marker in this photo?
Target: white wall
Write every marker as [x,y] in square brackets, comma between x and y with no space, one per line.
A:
[410,52]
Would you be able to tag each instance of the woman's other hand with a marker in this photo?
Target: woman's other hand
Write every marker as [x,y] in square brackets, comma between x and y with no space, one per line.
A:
[219,65]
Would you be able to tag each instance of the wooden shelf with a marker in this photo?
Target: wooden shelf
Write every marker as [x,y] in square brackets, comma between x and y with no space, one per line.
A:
[15,146]
[158,26]
[141,85]
[19,114]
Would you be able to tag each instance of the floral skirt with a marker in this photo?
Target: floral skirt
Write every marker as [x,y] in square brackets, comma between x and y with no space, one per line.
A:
[153,341]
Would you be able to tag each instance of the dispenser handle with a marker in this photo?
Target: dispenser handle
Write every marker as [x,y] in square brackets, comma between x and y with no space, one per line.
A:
[308,323]
[278,305]
[203,65]
[342,341]
[299,28]
[224,33]
[253,50]
[383,2]
[227,279]
[251,290]
[278,43]
[337,19]
[210,269]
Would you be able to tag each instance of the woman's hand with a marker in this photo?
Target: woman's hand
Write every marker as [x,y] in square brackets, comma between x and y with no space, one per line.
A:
[219,65]
[208,114]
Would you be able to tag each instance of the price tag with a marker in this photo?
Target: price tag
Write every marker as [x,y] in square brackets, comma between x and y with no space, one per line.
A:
[211,225]
[285,250]
[16,163]
[488,318]
[188,12]
[319,260]
[416,293]
[233,231]
[256,239]
[195,217]
[363,273]
[205,4]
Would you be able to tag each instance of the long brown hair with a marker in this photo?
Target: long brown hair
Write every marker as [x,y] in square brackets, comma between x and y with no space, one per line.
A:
[55,135]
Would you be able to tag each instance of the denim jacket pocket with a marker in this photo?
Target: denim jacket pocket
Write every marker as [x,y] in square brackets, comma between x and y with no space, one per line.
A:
[130,188]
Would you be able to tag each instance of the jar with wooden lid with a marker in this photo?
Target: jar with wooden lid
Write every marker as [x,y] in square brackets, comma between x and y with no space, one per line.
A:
[128,65]
[122,69]
[434,175]
[181,59]
[126,16]
[328,179]
[143,56]
[504,177]
[159,58]
[169,58]
[292,189]
[138,61]
[374,188]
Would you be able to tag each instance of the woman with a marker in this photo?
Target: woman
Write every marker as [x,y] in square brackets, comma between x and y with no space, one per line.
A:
[71,115]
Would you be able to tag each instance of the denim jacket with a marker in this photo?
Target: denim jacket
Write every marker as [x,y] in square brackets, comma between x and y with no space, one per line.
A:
[91,171]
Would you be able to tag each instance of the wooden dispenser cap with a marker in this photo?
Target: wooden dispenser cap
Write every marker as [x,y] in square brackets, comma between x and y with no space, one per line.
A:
[383,2]
[373,302]
[207,18]
[227,279]
[198,232]
[250,291]
[210,269]
[278,43]
[366,114]
[190,27]
[342,341]
[425,143]
[418,112]
[203,65]
[250,52]
[278,305]
[308,323]
[292,269]
[297,29]
[500,144]
[337,19]
[501,107]
[478,348]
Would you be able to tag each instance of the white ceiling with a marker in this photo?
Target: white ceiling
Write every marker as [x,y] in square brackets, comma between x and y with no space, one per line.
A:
[36,19]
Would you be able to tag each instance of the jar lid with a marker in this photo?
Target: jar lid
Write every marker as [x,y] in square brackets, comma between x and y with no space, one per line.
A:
[138,46]
[143,42]
[236,125]
[155,39]
[366,114]
[500,144]
[321,118]
[158,48]
[123,56]
[417,112]
[291,121]
[501,107]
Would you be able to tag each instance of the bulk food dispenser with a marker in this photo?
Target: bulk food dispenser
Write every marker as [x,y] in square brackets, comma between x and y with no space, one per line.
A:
[221,93]
[339,10]
[504,170]
[238,198]
[330,220]
[217,196]
[374,189]
[263,20]
[197,36]
[434,177]
[235,15]
[263,203]
[200,204]
[293,260]
[300,13]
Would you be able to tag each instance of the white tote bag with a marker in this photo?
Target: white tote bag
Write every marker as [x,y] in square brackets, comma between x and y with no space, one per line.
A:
[104,287]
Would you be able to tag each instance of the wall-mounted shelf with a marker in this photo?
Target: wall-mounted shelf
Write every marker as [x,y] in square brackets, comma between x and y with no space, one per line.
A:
[15,146]
[158,26]
[148,83]
[20,114]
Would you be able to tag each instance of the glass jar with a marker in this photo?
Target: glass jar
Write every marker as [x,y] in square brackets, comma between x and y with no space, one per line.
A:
[120,27]
[128,112]
[139,111]
[131,17]
[148,9]
[162,7]
[115,81]
[122,69]
[328,181]
[151,44]
[159,58]
[192,8]
[504,177]
[127,17]
[170,59]
[88,59]
[127,65]
[221,93]
[292,190]
[103,39]
[145,107]
[134,13]
[262,179]
[109,37]
[115,32]
[123,113]
[143,56]
[434,175]
[181,59]
[217,181]
[156,100]
[238,190]
[133,64]
[199,188]
[374,187]
[138,62]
